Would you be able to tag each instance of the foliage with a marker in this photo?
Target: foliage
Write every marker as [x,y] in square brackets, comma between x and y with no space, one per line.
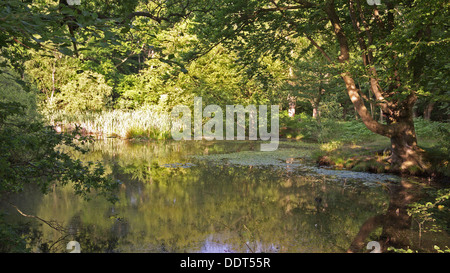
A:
[11,240]
[331,107]
[305,127]
[15,91]
[435,137]
[88,92]
[64,86]
[439,131]
[432,215]
[30,155]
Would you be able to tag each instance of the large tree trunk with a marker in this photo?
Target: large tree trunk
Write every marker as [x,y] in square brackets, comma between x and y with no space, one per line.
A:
[406,155]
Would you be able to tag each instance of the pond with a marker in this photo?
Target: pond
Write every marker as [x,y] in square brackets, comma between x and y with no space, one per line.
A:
[204,196]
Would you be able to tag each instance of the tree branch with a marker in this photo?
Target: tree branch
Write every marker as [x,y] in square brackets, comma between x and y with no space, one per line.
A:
[51,224]
[306,4]
[320,49]
[158,18]
[282,8]
[352,91]
[338,31]
[367,53]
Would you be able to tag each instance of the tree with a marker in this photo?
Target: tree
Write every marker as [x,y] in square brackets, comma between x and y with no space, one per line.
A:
[310,80]
[385,44]
[395,49]
[32,153]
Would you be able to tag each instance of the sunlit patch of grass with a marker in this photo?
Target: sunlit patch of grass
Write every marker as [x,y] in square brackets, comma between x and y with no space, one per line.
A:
[360,156]
[330,146]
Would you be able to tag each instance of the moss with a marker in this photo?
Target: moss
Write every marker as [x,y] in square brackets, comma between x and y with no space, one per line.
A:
[372,165]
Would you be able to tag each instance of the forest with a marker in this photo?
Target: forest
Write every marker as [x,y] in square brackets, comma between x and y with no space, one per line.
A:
[360,87]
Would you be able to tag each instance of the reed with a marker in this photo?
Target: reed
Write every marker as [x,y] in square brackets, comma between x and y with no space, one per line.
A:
[141,123]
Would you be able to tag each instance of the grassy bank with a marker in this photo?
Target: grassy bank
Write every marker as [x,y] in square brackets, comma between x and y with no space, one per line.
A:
[350,145]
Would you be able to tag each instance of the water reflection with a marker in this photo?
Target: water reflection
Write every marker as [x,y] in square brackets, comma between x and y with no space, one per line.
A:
[396,224]
[170,201]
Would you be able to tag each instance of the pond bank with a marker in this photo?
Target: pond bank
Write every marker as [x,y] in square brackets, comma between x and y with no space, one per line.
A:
[374,157]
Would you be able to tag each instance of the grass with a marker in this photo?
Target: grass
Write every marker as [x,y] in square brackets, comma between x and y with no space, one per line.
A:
[350,145]
[146,123]
[367,156]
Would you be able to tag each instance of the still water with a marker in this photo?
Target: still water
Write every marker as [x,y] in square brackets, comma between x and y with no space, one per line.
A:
[226,197]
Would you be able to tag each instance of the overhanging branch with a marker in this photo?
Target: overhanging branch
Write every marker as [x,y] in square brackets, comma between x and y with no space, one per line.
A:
[52,224]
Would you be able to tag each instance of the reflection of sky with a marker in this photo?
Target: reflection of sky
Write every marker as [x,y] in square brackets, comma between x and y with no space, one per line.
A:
[210,246]
[214,244]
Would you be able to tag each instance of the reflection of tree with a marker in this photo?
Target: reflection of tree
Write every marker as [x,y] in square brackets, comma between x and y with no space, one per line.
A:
[179,209]
[395,222]
[109,242]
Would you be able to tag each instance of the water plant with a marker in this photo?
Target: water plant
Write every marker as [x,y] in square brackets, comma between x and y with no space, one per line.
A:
[146,123]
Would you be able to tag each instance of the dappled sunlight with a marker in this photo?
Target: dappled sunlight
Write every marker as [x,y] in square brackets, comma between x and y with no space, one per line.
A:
[224,126]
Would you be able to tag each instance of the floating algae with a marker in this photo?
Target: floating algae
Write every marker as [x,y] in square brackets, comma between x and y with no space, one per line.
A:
[278,158]
[178,165]
[293,160]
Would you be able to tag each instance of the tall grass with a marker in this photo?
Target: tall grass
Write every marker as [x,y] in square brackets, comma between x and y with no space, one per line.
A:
[141,123]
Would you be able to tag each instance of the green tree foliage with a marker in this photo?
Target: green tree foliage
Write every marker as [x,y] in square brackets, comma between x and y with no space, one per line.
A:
[64,86]
[383,46]
[30,150]
[88,92]
[30,154]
